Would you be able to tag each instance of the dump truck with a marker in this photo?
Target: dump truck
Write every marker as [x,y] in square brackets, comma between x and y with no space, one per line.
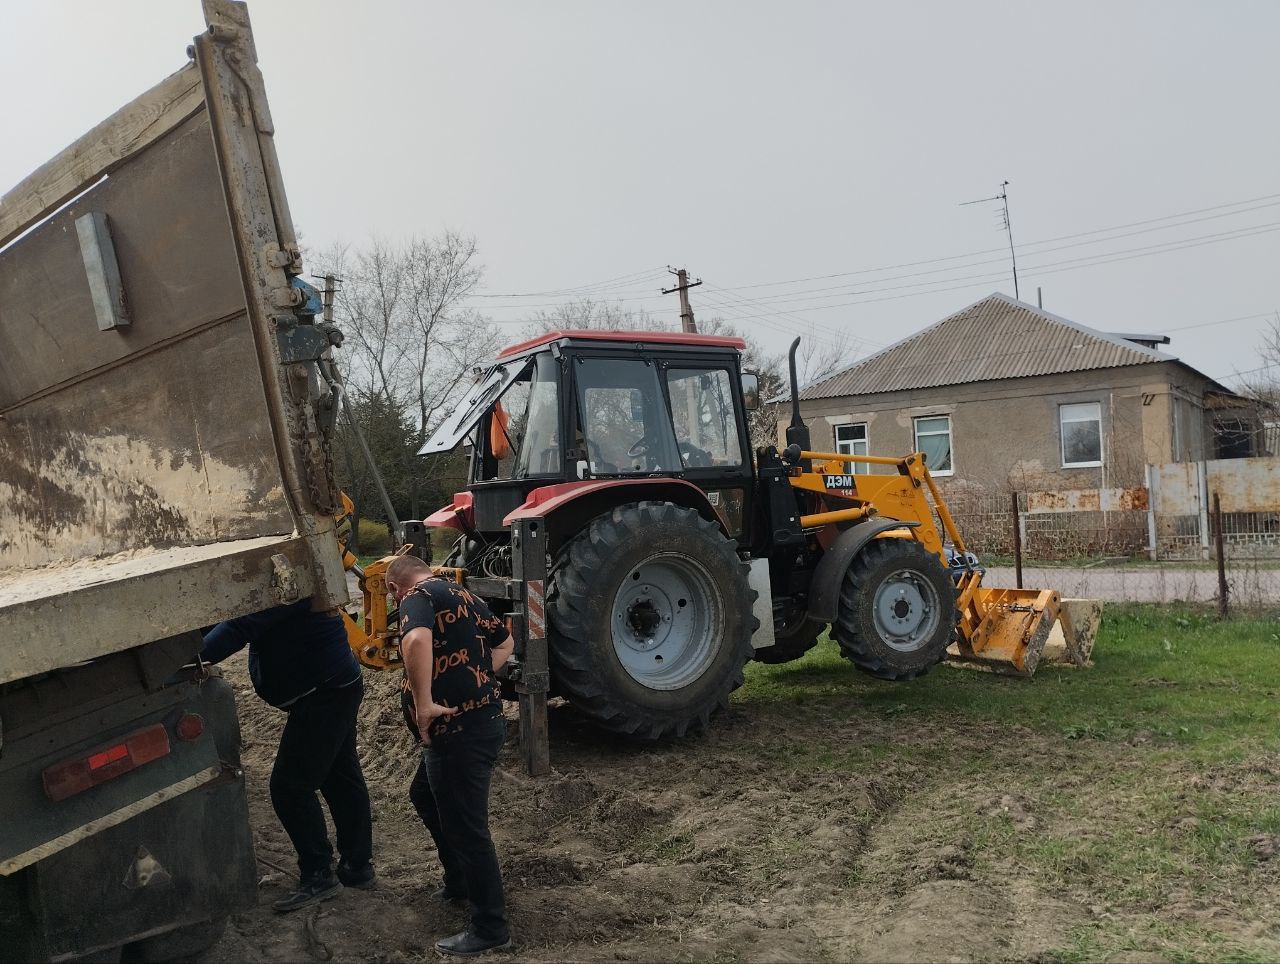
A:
[164,464]
[643,553]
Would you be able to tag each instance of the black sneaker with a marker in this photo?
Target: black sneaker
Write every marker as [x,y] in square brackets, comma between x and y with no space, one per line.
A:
[469,944]
[311,891]
[360,876]
[452,896]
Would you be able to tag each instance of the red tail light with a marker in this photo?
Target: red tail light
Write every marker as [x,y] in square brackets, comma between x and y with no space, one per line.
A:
[75,776]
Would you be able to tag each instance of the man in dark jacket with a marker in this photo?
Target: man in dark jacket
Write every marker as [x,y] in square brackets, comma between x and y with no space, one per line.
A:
[453,646]
[300,662]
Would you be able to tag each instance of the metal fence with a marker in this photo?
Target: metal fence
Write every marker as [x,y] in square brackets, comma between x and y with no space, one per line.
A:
[1170,518]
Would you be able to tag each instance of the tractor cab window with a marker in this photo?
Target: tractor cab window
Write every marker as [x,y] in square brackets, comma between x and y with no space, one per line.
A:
[520,437]
[623,417]
[706,423]
[539,452]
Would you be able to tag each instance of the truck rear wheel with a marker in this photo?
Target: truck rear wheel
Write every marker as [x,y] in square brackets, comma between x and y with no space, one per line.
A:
[651,620]
[897,610]
[792,639]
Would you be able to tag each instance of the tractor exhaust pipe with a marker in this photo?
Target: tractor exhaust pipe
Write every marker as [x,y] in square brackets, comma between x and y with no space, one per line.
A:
[797,431]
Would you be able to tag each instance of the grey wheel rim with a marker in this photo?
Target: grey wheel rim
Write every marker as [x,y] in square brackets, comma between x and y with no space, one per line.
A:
[906,610]
[667,618]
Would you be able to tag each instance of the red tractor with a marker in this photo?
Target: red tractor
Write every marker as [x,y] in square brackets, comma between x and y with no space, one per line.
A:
[616,511]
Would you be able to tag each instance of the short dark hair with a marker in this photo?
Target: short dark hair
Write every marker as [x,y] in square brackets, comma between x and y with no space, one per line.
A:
[403,569]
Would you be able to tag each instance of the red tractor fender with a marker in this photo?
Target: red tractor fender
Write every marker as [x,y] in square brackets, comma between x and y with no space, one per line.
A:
[574,504]
[447,517]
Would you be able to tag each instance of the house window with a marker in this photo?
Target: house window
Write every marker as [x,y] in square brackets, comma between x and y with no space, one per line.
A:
[1232,438]
[933,438]
[852,440]
[1081,434]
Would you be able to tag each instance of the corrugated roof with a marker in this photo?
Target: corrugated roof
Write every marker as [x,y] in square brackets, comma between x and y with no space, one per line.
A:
[996,337]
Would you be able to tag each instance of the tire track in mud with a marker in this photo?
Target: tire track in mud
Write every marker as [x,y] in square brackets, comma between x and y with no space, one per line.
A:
[758,840]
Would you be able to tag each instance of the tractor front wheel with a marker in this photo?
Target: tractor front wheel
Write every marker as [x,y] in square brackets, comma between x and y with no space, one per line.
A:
[897,610]
[651,620]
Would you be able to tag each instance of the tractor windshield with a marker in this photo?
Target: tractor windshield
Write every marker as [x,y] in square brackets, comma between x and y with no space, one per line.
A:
[624,422]
[539,431]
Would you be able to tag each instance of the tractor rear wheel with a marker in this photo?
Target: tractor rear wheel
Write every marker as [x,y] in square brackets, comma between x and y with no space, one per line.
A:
[651,620]
[897,610]
[792,639]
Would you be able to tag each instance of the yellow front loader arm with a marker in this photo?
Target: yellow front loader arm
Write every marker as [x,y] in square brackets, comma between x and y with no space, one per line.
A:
[1004,630]
[375,636]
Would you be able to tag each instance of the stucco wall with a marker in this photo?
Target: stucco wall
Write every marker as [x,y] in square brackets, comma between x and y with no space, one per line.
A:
[1006,433]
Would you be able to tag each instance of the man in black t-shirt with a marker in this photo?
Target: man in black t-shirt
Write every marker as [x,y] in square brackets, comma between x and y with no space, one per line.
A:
[452,646]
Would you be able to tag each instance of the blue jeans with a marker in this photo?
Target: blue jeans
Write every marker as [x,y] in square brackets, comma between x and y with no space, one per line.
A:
[450,791]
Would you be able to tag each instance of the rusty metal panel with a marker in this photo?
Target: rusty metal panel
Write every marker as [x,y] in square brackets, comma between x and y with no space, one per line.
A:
[1088,500]
[1177,488]
[1245,485]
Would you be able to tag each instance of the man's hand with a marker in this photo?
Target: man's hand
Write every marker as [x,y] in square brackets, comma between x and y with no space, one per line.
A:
[428,715]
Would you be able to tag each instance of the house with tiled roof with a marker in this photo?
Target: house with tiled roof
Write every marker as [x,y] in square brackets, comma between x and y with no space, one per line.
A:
[1005,395]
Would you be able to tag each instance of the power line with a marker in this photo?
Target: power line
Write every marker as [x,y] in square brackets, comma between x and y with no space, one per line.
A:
[1029,244]
[1050,268]
[1221,321]
[860,288]
[608,282]
[852,287]
[635,295]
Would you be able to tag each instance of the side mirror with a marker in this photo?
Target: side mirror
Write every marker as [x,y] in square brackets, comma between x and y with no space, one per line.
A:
[751,390]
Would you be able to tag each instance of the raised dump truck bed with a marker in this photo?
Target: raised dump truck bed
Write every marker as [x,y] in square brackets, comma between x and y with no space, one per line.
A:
[164,465]
[161,461]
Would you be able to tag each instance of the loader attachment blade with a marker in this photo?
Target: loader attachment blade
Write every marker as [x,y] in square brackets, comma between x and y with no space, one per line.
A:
[1005,630]
[1072,637]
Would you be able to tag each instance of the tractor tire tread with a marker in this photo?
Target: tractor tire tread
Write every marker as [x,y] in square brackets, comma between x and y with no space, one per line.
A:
[573,666]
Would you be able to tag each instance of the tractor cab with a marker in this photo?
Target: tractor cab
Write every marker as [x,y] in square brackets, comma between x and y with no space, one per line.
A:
[573,407]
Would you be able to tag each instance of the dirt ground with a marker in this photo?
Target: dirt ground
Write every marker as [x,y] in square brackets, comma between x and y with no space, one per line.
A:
[791,831]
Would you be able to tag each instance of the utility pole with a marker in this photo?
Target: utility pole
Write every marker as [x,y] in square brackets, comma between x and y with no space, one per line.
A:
[683,285]
[330,288]
[1003,198]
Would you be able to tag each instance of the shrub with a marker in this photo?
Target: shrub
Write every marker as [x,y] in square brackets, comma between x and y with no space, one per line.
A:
[374,537]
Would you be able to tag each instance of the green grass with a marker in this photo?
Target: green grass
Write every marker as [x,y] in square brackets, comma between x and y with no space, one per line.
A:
[1147,780]
[1174,675]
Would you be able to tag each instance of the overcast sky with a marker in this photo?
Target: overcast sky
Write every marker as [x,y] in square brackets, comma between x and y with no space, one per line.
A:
[758,144]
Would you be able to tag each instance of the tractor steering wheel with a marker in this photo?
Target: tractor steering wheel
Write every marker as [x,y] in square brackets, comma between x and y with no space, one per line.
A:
[639,447]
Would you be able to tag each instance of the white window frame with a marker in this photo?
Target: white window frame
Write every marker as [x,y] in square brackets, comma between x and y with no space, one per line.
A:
[1062,435]
[859,468]
[951,438]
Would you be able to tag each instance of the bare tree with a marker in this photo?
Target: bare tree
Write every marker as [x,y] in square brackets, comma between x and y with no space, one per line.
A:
[586,314]
[1261,385]
[411,339]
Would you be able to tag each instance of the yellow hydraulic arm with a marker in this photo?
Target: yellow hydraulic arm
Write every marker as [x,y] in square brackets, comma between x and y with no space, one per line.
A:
[1001,629]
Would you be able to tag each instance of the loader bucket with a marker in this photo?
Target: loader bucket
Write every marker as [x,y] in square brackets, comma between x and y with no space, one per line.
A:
[1008,630]
[1080,617]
